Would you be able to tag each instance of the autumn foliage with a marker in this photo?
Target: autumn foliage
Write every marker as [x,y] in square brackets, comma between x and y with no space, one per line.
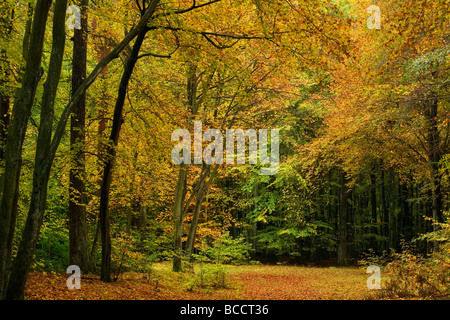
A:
[86,175]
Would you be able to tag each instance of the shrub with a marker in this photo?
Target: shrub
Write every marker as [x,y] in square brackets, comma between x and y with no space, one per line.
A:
[415,277]
[412,276]
[126,256]
[214,256]
[52,248]
[370,258]
[210,276]
[225,250]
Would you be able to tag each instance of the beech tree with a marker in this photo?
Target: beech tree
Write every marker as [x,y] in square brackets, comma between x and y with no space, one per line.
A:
[47,145]
[78,232]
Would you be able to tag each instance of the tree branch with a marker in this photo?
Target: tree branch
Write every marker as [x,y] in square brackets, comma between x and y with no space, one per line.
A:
[168,56]
[97,70]
[193,7]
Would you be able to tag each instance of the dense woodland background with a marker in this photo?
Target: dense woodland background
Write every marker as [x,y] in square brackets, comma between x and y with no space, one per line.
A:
[87,115]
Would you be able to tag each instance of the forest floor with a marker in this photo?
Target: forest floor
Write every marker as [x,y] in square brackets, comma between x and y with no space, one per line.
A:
[251,282]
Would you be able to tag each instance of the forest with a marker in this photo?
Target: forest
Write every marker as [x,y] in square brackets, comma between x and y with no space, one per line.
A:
[189,148]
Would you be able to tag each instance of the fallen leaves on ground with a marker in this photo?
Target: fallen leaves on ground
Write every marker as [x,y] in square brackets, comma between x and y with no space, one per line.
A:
[260,282]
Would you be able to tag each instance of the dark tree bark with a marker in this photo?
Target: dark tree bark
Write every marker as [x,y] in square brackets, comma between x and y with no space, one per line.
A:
[178,216]
[434,156]
[98,71]
[405,209]
[105,274]
[78,235]
[5,96]
[385,213]
[393,243]
[344,217]
[6,15]
[46,148]
[16,135]
[102,52]
[42,167]
[373,208]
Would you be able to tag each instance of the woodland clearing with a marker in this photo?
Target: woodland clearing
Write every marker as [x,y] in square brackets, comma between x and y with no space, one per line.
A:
[249,282]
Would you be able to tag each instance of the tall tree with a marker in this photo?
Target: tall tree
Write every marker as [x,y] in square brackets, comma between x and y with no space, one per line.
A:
[344,225]
[42,167]
[78,235]
[5,95]
[47,147]
[110,153]
[16,132]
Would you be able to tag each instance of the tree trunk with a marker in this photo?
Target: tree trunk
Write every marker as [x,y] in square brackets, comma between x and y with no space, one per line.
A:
[405,219]
[78,235]
[5,33]
[102,52]
[132,205]
[385,213]
[202,190]
[434,156]
[373,207]
[180,207]
[16,135]
[180,192]
[143,222]
[42,167]
[5,101]
[101,115]
[105,274]
[391,217]
[45,154]
[344,215]
[95,245]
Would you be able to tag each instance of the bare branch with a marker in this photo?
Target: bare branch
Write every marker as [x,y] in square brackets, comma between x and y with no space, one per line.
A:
[164,56]
[191,8]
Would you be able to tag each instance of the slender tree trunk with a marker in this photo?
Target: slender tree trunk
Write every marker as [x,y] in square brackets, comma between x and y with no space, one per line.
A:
[344,214]
[180,208]
[405,209]
[102,108]
[95,245]
[105,274]
[180,192]
[190,243]
[102,64]
[5,105]
[78,235]
[143,222]
[16,135]
[102,52]
[43,163]
[254,224]
[132,205]
[5,95]
[202,190]
[391,217]
[373,206]
[434,156]
[5,101]
[46,153]
[385,213]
